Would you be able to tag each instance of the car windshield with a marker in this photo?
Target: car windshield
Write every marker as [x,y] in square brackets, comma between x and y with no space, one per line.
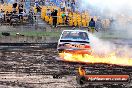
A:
[71,35]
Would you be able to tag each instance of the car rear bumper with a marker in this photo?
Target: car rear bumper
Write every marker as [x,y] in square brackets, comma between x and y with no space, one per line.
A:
[76,51]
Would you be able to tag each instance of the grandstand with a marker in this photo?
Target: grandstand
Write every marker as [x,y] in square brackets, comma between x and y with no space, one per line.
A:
[76,18]
[10,16]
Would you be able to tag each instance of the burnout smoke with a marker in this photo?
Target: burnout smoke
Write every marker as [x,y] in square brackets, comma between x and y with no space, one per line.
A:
[105,48]
[120,29]
[118,11]
[116,7]
[101,47]
[103,52]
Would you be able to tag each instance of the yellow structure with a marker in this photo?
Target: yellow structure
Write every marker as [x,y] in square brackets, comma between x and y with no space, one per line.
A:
[6,7]
[74,18]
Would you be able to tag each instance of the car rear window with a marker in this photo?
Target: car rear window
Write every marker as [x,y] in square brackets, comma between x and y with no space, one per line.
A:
[71,35]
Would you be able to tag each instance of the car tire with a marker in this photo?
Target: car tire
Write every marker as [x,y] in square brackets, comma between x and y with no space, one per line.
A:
[81,80]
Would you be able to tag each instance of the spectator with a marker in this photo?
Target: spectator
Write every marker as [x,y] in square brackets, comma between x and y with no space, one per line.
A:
[1,15]
[7,13]
[42,2]
[48,12]
[54,16]
[66,13]
[30,17]
[7,17]
[73,5]
[92,25]
[20,7]
[63,15]
[37,6]
[14,6]
[52,4]
[57,3]
[47,3]
[27,5]
[112,22]
[2,1]
[62,6]
[68,5]
[14,19]
[24,13]
[98,25]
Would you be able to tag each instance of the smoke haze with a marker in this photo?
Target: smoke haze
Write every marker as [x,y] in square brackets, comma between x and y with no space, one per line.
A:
[114,7]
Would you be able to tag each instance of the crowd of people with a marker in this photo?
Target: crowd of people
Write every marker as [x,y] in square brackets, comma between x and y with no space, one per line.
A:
[63,4]
[18,13]
[66,6]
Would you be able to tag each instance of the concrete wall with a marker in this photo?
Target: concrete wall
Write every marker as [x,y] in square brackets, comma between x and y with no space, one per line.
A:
[22,39]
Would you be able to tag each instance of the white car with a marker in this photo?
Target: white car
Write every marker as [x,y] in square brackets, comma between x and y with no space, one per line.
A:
[76,41]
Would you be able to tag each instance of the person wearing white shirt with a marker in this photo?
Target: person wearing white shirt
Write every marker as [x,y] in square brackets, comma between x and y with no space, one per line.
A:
[68,5]
[62,6]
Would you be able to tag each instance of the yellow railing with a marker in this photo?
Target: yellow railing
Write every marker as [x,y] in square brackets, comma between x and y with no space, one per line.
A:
[74,19]
[6,7]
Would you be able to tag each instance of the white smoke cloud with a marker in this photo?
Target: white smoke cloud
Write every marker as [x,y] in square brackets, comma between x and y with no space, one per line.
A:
[101,47]
[118,10]
[113,6]
[105,48]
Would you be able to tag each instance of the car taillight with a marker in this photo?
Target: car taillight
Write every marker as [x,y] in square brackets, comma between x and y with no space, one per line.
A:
[87,46]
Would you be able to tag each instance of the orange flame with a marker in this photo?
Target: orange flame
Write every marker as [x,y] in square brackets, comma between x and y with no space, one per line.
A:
[85,58]
[81,71]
